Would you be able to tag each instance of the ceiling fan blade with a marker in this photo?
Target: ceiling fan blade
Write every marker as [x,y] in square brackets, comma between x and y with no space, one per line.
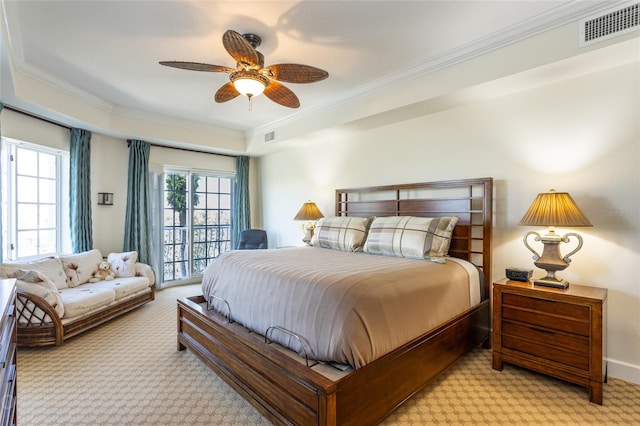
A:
[296,73]
[226,93]
[240,49]
[281,94]
[196,66]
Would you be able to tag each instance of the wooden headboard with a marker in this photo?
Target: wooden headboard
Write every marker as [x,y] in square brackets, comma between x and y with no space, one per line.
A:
[469,199]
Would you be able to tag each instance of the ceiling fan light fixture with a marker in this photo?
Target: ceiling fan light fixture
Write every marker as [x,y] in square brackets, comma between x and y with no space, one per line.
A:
[249,83]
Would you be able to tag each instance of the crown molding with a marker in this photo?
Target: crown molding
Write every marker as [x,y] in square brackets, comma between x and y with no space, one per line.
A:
[31,71]
[171,121]
[564,14]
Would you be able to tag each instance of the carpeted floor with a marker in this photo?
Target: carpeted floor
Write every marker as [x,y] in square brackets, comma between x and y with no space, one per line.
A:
[128,372]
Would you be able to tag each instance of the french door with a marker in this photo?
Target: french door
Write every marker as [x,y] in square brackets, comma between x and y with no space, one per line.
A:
[196,221]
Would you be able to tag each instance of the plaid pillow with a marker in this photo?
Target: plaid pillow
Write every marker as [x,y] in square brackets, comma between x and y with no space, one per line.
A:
[341,233]
[409,236]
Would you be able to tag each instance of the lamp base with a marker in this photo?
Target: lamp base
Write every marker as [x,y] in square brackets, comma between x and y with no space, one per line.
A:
[308,228]
[554,283]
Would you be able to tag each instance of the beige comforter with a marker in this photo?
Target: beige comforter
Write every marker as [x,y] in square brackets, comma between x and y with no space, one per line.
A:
[349,308]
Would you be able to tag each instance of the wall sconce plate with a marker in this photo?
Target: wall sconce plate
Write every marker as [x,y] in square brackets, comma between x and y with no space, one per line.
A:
[105,198]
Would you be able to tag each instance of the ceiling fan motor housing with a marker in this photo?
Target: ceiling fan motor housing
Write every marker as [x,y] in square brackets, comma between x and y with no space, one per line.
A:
[253,40]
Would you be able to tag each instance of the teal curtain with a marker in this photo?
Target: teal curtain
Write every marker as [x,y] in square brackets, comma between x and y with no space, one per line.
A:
[1,230]
[156,196]
[241,207]
[80,190]
[137,230]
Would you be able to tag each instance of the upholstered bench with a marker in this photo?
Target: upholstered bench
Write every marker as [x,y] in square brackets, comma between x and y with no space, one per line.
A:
[56,300]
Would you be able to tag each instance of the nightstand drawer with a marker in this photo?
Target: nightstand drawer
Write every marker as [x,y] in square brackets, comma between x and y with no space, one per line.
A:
[549,352]
[566,342]
[547,314]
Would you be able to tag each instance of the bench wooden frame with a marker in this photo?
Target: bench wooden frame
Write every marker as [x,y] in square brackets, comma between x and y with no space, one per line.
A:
[43,327]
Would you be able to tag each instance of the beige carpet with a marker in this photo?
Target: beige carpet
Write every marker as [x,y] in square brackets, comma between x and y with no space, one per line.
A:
[128,372]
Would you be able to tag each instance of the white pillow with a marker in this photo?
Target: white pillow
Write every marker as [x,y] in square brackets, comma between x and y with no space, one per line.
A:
[50,267]
[85,264]
[123,264]
[71,271]
[35,282]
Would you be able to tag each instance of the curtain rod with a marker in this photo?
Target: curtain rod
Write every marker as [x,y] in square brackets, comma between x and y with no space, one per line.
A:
[184,149]
[56,123]
[39,117]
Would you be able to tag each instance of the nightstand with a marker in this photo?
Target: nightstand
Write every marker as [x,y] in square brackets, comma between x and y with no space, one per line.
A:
[557,332]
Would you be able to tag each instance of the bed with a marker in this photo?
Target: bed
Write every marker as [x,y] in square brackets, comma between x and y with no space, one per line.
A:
[291,382]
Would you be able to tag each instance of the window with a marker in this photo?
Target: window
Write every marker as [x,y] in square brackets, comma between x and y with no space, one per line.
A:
[31,194]
[197,222]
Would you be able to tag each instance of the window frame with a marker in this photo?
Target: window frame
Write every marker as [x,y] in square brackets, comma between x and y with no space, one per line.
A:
[10,200]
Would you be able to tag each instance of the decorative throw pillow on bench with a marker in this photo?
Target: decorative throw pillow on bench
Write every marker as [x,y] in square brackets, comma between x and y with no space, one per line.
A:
[81,266]
[123,264]
[50,267]
[37,283]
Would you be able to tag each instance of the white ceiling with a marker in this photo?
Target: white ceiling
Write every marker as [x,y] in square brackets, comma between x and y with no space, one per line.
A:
[106,53]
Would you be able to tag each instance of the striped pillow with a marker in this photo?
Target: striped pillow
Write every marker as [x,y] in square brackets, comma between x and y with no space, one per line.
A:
[409,236]
[341,233]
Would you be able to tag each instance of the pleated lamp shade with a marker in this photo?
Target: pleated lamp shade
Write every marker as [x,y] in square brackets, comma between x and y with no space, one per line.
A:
[554,209]
[309,211]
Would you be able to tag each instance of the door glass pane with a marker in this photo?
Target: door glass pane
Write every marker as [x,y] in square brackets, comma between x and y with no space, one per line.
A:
[225,186]
[176,250]
[199,217]
[191,204]
[225,201]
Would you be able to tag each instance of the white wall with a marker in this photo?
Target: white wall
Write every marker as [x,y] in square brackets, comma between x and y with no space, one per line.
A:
[109,169]
[581,136]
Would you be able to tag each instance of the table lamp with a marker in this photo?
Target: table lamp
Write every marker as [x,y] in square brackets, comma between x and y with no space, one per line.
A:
[553,209]
[309,212]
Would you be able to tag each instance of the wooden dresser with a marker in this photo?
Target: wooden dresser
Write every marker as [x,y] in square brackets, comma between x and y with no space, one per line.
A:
[8,372]
[557,332]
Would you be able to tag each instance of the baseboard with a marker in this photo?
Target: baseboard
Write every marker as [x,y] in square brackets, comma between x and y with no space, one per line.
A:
[623,371]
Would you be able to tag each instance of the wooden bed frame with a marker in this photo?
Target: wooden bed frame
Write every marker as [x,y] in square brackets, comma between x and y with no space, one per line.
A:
[286,391]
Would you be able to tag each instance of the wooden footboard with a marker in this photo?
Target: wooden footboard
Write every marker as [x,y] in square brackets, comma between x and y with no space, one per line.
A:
[288,392]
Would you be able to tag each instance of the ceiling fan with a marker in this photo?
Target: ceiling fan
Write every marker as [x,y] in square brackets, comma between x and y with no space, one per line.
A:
[251,77]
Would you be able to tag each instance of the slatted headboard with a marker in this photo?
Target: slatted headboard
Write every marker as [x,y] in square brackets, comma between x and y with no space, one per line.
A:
[469,199]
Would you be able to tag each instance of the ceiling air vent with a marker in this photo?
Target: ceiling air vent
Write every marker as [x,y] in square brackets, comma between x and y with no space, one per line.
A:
[270,137]
[609,24]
